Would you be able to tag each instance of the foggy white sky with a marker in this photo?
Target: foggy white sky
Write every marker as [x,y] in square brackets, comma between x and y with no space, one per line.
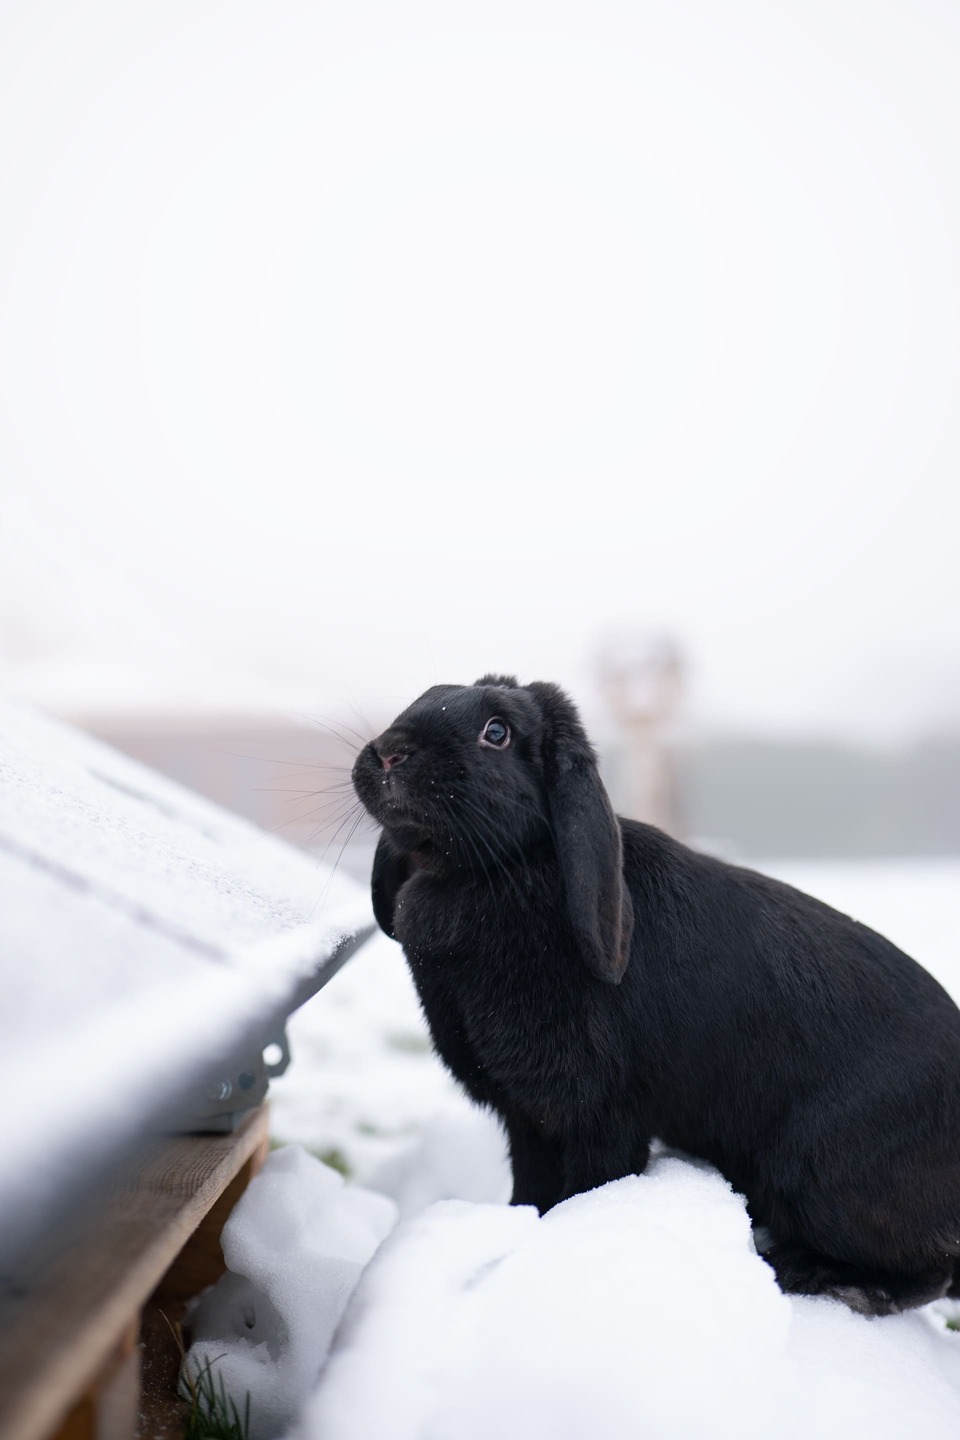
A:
[350,347]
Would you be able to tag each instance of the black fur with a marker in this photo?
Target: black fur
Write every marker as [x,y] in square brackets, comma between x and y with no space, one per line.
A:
[598,984]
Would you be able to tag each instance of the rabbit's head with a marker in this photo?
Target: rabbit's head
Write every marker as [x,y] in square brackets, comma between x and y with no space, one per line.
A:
[480,778]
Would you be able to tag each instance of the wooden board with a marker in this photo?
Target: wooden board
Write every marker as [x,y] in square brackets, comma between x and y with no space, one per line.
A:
[73,1324]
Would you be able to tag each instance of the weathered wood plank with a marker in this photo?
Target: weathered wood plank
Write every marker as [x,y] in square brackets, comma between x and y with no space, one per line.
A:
[57,1338]
[199,1264]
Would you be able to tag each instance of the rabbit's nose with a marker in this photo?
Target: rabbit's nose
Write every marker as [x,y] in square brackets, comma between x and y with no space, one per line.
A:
[391,755]
[388,760]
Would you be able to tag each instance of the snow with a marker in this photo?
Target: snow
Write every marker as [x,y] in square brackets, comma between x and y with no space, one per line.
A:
[460,1154]
[295,1245]
[364,1082]
[559,1311]
[637,1309]
[640,1308]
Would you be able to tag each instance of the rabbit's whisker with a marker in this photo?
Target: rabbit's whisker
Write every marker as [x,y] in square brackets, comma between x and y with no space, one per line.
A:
[271,760]
[362,718]
[325,826]
[459,835]
[329,794]
[331,803]
[329,813]
[334,727]
[286,790]
[480,831]
[484,821]
[344,820]
[326,889]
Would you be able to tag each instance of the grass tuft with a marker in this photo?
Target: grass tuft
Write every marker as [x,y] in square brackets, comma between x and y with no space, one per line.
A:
[336,1159]
[411,1042]
[212,1415]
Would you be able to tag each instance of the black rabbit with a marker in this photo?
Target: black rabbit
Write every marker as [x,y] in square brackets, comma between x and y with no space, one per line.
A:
[598,984]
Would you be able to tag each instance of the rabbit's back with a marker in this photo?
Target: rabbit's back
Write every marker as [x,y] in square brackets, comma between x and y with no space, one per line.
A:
[786,987]
[815,1063]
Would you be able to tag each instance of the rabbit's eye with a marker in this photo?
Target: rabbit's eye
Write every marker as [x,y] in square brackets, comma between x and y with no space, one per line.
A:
[496,732]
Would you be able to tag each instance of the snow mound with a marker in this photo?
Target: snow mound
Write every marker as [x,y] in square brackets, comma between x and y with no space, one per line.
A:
[640,1308]
[295,1246]
[460,1154]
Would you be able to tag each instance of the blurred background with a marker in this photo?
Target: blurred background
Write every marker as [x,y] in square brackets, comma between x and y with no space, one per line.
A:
[346,349]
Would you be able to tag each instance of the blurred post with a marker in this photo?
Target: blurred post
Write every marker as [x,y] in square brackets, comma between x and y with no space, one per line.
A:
[641,681]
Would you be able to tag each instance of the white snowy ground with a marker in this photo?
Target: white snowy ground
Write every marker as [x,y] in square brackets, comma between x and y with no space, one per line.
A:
[639,1309]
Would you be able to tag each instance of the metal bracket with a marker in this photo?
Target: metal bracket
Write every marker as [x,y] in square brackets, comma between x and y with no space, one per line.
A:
[241,1081]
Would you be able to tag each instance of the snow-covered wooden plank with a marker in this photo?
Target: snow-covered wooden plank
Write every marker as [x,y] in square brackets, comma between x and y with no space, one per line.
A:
[146,937]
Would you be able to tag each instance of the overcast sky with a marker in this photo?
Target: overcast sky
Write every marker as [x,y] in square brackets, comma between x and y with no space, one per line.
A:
[347,347]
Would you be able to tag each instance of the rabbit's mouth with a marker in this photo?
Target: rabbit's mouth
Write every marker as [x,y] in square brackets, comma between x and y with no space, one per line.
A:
[391,798]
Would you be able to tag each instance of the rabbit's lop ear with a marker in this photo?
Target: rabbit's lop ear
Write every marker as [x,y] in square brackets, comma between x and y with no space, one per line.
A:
[587,838]
[390,870]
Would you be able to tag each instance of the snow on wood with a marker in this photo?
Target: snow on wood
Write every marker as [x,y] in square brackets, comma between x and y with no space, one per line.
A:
[143,934]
